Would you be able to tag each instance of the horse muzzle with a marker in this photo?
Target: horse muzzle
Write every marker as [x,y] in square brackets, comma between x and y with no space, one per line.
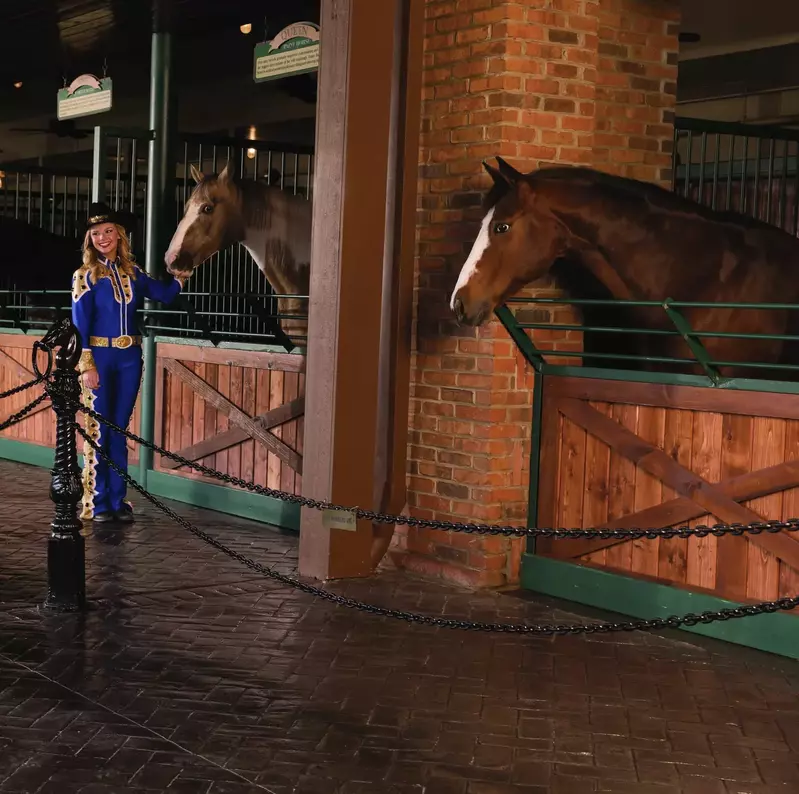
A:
[473,315]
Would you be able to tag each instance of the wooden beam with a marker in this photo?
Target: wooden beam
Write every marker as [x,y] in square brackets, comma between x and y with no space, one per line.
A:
[257,359]
[657,463]
[751,485]
[23,372]
[221,441]
[687,398]
[234,414]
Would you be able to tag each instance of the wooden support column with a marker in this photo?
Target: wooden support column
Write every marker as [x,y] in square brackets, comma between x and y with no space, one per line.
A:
[353,171]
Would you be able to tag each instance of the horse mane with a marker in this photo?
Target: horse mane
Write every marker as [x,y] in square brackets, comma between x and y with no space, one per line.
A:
[627,188]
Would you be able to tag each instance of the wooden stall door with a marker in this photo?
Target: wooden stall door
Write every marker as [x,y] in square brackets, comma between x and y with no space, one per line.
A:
[627,455]
[237,411]
[38,427]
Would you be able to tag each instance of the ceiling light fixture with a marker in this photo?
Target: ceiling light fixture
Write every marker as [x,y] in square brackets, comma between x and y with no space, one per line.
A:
[245,29]
[18,84]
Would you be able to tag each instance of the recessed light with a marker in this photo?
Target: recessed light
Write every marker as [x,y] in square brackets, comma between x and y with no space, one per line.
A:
[245,29]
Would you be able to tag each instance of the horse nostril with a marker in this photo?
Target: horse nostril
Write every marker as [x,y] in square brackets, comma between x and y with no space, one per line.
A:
[457,307]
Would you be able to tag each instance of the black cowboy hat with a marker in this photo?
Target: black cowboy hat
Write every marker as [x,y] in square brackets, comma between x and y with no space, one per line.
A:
[100,212]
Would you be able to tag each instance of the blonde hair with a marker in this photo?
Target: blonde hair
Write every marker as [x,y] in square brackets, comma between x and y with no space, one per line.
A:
[97,269]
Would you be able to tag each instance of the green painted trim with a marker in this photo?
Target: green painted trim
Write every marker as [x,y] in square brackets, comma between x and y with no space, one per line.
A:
[535,455]
[25,452]
[776,633]
[670,379]
[232,501]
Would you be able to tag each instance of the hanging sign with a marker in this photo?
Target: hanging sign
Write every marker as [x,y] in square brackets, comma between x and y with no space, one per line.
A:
[84,96]
[295,50]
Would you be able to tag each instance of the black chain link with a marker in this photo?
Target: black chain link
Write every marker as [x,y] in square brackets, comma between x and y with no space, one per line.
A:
[21,414]
[594,533]
[18,389]
[546,629]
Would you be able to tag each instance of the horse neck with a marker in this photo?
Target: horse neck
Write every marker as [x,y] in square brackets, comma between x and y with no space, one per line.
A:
[274,236]
[597,228]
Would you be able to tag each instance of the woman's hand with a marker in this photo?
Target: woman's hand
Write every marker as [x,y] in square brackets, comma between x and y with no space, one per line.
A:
[91,379]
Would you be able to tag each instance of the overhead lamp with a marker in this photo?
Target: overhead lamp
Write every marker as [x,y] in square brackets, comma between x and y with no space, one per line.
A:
[251,153]
[245,29]
[18,84]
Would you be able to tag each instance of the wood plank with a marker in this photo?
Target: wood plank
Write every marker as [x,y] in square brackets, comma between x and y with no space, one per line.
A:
[736,460]
[789,575]
[249,406]
[693,398]
[262,409]
[572,480]
[549,468]
[222,420]
[595,502]
[648,490]
[768,448]
[258,359]
[621,499]
[45,406]
[659,464]
[300,446]
[706,463]
[235,397]
[290,386]
[210,446]
[677,441]
[233,413]
[275,399]
[9,363]
[211,414]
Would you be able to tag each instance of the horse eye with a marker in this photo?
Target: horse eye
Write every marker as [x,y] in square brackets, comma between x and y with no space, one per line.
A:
[501,228]
[208,209]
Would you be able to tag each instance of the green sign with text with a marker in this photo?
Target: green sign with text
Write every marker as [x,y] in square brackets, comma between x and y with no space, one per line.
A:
[295,50]
[84,96]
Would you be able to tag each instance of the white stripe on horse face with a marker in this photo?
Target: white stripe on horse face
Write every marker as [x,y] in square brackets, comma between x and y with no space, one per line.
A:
[475,255]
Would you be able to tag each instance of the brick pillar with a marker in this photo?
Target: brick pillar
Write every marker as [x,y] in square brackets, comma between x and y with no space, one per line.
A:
[536,82]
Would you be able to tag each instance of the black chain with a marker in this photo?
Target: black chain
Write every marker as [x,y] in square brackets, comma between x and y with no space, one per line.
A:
[594,533]
[20,415]
[18,389]
[546,629]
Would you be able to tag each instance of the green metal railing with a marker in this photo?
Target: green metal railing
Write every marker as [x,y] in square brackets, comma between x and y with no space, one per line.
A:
[664,318]
[747,168]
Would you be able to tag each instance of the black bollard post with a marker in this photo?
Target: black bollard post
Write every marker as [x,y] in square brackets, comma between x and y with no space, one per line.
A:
[66,560]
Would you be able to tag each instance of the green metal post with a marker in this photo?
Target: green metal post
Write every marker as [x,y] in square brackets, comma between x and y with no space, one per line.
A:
[535,456]
[98,165]
[158,182]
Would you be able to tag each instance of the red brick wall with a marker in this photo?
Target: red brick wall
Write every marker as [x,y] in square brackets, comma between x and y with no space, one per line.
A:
[535,81]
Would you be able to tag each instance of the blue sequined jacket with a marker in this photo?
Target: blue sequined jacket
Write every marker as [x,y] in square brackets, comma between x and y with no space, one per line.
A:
[108,308]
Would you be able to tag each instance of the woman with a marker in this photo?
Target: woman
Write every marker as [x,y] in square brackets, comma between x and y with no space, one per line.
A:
[107,291]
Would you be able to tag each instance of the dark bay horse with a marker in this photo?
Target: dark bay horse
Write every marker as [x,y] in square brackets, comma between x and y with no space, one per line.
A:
[272,224]
[34,259]
[634,240]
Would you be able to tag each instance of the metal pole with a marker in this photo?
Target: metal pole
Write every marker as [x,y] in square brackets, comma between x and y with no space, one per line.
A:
[158,181]
[66,556]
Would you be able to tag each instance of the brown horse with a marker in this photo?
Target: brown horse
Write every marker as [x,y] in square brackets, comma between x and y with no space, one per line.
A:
[637,241]
[272,224]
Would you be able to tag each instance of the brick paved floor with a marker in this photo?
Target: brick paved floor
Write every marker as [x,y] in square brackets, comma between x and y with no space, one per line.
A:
[193,675]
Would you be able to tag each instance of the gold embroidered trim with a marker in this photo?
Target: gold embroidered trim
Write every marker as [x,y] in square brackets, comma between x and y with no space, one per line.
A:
[89,474]
[99,219]
[117,341]
[80,283]
[86,362]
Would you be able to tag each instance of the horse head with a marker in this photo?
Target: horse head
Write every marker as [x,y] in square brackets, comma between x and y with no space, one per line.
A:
[517,243]
[212,220]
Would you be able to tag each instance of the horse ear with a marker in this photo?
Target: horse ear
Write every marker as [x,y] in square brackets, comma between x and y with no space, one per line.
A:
[196,174]
[498,177]
[228,173]
[508,171]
